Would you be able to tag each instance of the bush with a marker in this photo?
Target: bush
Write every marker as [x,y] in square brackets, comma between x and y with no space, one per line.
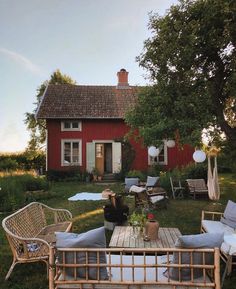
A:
[8,164]
[24,161]
[73,174]
[137,174]
[13,190]
[195,171]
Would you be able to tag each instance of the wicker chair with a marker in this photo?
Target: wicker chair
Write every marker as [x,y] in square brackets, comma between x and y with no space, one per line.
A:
[30,231]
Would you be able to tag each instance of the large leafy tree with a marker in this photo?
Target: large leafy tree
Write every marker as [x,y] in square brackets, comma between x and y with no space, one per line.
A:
[37,127]
[191,60]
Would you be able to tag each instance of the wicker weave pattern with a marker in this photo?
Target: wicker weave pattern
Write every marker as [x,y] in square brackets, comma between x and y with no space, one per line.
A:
[24,232]
[149,272]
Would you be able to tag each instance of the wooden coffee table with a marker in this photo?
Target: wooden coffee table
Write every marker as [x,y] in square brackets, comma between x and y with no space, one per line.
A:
[122,237]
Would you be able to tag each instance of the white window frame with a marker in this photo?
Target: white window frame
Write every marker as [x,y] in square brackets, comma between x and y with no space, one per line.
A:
[71,128]
[63,163]
[151,160]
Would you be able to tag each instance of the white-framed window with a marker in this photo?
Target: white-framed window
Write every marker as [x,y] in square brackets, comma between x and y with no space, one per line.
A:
[71,125]
[71,152]
[162,158]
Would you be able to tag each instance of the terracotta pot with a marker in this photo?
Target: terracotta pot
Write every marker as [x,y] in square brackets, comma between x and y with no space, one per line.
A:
[151,229]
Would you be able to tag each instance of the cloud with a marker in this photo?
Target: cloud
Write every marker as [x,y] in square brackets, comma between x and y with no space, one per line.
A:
[23,61]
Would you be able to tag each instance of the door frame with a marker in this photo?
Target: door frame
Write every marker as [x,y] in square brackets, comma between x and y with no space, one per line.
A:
[107,141]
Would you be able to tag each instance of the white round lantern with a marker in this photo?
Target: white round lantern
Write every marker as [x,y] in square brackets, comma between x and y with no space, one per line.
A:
[199,156]
[170,143]
[153,151]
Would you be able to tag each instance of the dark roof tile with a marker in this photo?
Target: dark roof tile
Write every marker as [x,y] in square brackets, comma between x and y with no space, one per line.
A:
[80,101]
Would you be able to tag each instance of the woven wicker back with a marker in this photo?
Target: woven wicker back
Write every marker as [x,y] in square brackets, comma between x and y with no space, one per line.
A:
[27,222]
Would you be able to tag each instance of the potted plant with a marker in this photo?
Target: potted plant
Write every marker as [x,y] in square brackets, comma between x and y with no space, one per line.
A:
[95,173]
[137,221]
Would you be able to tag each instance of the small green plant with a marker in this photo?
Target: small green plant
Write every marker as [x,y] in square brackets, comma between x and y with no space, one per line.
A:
[137,174]
[138,219]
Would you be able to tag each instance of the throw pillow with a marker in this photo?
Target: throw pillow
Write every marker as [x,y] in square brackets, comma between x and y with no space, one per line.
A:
[91,239]
[229,215]
[152,181]
[198,241]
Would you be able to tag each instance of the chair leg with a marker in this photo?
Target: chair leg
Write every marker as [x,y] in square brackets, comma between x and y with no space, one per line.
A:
[11,269]
[227,270]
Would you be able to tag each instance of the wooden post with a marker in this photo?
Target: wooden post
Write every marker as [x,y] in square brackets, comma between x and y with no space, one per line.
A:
[217,268]
[51,267]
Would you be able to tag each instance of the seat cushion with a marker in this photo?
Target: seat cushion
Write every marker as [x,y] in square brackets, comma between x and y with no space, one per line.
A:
[156,199]
[137,189]
[198,241]
[216,227]
[48,232]
[91,239]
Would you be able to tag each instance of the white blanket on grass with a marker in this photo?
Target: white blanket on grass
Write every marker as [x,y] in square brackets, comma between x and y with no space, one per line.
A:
[86,196]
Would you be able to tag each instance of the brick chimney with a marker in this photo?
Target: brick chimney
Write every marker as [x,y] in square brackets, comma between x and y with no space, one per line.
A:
[122,79]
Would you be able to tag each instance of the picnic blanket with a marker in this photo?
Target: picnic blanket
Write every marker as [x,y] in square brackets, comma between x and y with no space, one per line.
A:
[86,196]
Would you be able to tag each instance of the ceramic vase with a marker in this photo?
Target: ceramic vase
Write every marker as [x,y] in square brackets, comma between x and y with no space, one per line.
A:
[151,229]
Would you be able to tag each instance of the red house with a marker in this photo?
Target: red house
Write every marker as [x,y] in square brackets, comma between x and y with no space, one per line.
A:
[85,126]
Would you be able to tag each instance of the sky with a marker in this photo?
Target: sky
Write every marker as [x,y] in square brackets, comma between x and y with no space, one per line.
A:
[89,40]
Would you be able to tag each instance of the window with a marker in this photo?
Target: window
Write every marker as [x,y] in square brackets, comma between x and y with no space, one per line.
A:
[71,152]
[68,125]
[161,159]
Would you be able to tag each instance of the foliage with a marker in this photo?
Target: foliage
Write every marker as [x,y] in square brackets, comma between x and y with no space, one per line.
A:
[73,174]
[138,219]
[155,170]
[195,171]
[184,214]
[191,171]
[23,161]
[8,164]
[128,156]
[13,190]
[137,174]
[191,59]
[37,127]
[226,158]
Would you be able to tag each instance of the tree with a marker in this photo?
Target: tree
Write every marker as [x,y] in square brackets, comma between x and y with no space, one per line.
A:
[37,127]
[191,60]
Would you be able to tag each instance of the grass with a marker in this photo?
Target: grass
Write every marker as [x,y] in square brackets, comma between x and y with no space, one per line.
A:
[184,214]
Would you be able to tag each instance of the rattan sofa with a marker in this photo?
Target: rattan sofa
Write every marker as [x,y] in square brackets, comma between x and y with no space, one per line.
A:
[131,268]
[30,232]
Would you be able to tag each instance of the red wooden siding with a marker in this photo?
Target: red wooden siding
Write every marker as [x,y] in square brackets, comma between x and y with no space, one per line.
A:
[105,130]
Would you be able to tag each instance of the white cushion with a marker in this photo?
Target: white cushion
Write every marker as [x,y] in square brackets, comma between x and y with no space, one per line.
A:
[156,199]
[136,189]
[216,227]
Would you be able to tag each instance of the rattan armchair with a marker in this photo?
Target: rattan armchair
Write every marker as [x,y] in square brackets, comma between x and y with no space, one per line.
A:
[30,231]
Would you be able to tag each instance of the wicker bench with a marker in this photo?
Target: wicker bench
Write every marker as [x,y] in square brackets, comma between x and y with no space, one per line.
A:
[131,268]
[197,187]
[30,231]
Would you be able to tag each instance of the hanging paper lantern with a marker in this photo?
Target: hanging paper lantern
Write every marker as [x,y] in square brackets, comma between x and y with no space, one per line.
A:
[153,151]
[199,156]
[170,143]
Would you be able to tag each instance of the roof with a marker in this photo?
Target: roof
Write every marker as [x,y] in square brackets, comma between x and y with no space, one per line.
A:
[80,101]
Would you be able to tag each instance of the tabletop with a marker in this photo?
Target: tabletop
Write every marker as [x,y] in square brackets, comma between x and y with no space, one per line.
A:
[123,237]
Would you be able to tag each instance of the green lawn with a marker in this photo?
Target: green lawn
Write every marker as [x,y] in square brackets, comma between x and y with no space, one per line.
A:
[184,214]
